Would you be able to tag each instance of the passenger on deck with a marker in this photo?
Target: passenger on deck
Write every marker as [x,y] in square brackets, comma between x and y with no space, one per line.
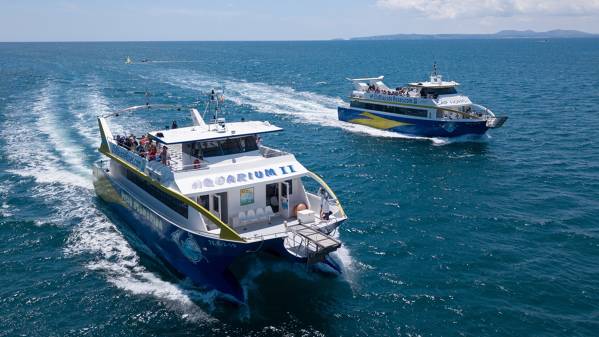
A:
[131,142]
[144,141]
[164,155]
[152,152]
[174,125]
[140,150]
[325,211]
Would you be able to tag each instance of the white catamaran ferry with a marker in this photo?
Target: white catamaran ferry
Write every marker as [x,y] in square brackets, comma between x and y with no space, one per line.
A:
[203,195]
[429,109]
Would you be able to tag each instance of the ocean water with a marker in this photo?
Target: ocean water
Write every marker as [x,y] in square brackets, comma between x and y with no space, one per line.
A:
[470,237]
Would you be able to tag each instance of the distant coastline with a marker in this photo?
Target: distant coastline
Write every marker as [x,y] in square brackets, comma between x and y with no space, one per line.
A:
[504,34]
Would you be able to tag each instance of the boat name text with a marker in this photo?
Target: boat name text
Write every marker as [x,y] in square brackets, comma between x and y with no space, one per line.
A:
[242,177]
[389,98]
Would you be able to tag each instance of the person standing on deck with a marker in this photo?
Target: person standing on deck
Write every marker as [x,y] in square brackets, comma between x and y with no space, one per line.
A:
[164,155]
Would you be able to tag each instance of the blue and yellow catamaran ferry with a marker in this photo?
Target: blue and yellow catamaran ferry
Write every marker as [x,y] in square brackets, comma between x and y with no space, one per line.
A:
[428,109]
[204,195]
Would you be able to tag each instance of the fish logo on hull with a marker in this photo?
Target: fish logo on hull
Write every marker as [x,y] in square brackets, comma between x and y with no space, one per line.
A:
[188,246]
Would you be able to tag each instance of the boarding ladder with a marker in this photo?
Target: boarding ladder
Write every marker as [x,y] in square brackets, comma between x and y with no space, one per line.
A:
[308,242]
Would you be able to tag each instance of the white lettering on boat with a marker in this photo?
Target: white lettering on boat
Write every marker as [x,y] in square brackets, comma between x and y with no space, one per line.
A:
[242,177]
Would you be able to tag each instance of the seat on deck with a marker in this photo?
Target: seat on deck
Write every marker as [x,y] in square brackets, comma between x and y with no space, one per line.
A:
[260,215]
[242,218]
[251,216]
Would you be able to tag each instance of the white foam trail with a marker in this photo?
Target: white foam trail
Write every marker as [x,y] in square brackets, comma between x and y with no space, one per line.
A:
[31,153]
[119,262]
[70,196]
[6,210]
[48,122]
[307,107]
[86,123]
[462,139]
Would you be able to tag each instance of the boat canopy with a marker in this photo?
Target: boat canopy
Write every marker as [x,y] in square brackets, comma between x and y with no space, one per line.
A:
[212,131]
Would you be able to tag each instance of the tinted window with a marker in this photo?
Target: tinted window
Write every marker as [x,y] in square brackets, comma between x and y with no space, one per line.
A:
[248,144]
[439,91]
[230,146]
[211,149]
[167,199]
[390,109]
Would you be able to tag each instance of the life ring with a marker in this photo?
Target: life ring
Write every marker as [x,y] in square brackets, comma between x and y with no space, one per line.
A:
[196,164]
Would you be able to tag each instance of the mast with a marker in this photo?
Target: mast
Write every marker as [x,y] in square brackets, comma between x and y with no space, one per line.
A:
[435,76]
[213,107]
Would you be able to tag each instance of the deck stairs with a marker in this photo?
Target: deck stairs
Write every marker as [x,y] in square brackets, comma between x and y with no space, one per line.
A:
[307,242]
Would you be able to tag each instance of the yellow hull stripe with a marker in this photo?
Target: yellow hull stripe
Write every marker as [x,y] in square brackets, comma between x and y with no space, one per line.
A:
[377,121]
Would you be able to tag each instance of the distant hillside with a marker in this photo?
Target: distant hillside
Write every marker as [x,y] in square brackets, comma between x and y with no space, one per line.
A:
[504,34]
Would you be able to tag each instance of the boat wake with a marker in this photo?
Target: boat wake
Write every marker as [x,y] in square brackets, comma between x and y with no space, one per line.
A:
[63,182]
[306,107]
[461,139]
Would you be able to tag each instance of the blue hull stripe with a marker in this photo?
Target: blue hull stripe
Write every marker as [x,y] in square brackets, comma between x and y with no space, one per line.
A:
[411,126]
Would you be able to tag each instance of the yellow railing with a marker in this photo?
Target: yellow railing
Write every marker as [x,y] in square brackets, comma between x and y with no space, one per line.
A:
[329,190]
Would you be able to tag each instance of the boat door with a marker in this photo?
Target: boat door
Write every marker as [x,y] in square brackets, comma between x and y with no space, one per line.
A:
[218,205]
[286,190]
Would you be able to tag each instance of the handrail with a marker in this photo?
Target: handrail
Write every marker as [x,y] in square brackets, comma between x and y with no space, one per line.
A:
[177,107]
[328,189]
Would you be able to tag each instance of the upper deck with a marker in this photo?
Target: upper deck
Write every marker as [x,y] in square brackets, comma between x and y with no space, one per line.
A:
[434,92]
[205,157]
[206,132]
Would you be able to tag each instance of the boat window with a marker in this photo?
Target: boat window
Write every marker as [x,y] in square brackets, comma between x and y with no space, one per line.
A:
[229,146]
[248,143]
[167,199]
[439,91]
[204,201]
[389,108]
[211,149]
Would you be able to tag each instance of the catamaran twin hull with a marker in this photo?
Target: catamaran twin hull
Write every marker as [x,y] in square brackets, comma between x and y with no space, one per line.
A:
[203,259]
[412,126]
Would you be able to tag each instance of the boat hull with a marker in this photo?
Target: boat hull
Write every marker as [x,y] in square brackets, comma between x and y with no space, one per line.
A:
[412,126]
[204,260]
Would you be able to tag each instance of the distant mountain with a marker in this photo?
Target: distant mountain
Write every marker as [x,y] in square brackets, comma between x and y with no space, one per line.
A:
[504,34]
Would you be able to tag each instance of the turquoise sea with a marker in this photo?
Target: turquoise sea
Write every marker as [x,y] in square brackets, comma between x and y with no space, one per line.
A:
[470,237]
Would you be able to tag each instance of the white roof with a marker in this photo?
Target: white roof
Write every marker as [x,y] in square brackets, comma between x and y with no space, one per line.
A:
[212,131]
[442,84]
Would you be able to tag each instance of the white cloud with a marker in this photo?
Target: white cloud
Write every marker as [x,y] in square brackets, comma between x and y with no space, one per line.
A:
[444,9]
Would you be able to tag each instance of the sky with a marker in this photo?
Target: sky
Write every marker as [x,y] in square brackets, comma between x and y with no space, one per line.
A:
[161,20]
